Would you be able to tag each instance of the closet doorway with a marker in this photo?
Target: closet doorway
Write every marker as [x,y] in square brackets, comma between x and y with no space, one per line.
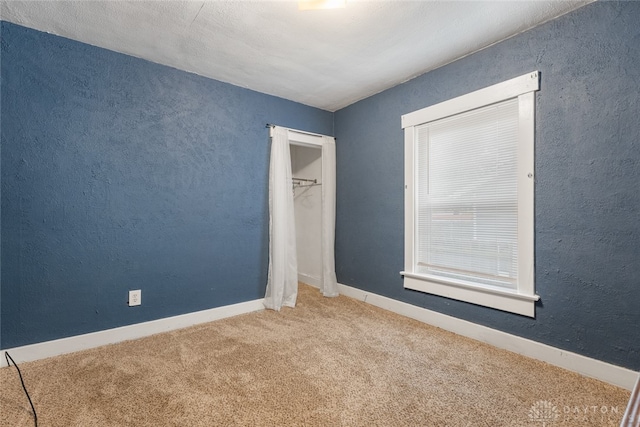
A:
[306,171]
[302,185]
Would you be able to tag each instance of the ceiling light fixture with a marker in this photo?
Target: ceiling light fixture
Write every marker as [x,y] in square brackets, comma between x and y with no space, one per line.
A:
[321,4]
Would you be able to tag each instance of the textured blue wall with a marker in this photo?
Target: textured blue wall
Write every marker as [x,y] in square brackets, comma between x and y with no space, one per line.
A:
[587,189]
[121,174]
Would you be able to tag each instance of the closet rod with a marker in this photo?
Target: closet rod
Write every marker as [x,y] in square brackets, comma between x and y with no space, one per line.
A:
[315,181]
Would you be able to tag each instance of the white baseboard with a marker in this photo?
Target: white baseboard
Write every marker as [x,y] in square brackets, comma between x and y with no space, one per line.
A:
[309,279]
[46,349]
[616,375]
[612,374]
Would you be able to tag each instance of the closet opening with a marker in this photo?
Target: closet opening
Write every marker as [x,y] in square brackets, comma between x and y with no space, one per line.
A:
[302,186]
[306,171]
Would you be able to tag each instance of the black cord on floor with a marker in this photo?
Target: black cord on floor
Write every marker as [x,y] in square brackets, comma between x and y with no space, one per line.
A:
[7,356]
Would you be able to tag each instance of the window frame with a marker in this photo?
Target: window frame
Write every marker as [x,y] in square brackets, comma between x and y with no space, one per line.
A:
[522,300]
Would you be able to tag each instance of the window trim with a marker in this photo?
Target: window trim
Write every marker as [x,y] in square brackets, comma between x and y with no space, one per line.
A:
[520,301]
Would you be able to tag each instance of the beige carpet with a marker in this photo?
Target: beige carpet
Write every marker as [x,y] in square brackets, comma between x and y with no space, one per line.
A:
[328,362]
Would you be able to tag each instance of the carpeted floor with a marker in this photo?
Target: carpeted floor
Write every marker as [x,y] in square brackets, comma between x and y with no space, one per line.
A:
[328,362]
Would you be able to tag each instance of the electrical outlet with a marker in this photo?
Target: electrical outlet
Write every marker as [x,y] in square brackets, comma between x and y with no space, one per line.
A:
[135,297]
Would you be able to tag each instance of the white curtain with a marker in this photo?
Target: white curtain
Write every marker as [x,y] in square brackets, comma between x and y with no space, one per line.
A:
[282,281]
[329,285]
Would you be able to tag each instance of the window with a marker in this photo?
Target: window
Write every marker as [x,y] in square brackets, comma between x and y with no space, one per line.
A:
[469,197]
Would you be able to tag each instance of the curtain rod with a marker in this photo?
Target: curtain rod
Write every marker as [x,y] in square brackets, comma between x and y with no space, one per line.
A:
[269,125]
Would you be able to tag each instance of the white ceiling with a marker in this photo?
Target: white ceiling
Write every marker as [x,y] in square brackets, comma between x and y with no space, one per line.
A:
[323,58]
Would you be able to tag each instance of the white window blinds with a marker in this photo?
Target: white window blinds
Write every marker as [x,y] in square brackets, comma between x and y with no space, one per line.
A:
[466,210]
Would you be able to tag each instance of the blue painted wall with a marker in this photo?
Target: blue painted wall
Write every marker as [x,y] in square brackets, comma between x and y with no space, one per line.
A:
[121,174]
[587,189]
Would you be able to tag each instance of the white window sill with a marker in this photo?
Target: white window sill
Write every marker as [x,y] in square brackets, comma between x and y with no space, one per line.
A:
[500,299]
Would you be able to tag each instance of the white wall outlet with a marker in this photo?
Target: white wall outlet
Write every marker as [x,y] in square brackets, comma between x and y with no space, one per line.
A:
[135,297]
